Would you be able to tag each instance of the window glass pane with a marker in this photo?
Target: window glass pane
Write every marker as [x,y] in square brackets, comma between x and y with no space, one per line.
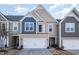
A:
[31,24]
[40,28]
[50,26]
[72,29]
[27,24]
[50,30]
[31,28]
[27,28]
[69,27]
[15,28]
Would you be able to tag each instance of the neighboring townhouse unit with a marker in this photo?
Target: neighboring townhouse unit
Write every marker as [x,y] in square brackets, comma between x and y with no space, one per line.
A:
[13,30]
[3,31]
[37,29]
[69,31]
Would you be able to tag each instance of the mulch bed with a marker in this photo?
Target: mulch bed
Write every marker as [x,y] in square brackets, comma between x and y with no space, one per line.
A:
[61,52]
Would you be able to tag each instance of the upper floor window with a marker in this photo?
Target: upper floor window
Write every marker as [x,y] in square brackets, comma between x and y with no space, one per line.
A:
[40,28]
[69,27]
[50,28]
[28,26]
[15,27]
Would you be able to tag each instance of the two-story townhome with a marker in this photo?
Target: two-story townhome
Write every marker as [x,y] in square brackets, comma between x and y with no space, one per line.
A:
[38,29]
[13,30]
[69,31]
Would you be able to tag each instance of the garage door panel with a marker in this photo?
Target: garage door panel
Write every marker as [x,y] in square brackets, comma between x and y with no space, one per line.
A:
[71,44]
[34,43]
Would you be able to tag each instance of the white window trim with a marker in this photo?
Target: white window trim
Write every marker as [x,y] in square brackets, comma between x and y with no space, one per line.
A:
[43,27]
[15,26]
[48,27]
[70,27]
[29,26]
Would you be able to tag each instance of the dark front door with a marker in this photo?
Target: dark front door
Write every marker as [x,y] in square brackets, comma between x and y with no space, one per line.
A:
[51,42]
[15,43]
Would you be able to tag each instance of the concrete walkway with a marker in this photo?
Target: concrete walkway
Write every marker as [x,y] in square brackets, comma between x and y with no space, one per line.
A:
[76,52]
[33,52]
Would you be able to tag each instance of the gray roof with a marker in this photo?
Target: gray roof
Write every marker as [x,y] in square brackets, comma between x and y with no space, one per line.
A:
[14,17]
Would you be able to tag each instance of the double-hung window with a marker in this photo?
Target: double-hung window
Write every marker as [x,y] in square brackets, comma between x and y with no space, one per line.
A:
[50,28]
[28,26]
[40,28]
[69,27]
[15,27]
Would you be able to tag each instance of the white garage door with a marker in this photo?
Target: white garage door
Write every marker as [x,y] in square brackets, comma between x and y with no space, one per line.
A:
[71,44]
[34,43]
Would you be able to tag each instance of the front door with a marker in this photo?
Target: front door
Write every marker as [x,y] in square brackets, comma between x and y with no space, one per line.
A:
[15,42]
[51,42]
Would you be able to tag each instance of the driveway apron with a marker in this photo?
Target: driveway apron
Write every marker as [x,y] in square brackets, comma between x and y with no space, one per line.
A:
[33,52]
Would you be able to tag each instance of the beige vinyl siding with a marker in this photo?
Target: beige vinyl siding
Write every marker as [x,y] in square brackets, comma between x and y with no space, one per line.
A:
[51,34]
[36,17]
[45,15]
[11,28]
[54,32]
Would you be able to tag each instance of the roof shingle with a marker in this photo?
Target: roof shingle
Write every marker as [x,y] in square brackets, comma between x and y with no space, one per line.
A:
[13,17]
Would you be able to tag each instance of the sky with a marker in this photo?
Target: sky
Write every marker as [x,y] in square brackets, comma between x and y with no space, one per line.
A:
[58,11]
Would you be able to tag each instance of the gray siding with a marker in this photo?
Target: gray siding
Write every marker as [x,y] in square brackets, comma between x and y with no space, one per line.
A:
[29,19]
[68,34]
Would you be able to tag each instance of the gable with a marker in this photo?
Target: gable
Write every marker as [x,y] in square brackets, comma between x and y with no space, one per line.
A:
[28,15]
[75,13]
[43,14]
[40,14]
[70,19]
[2,18]
[29,19]
[72,13]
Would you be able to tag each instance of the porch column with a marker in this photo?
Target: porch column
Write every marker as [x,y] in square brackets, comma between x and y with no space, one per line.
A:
[7,41]
[48,41]
[20,42]
[60,43]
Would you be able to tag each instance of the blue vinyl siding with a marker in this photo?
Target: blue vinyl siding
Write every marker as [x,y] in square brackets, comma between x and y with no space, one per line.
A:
[28,19]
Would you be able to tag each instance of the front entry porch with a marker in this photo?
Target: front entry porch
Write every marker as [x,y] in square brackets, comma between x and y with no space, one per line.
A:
[15,42]
[52,42]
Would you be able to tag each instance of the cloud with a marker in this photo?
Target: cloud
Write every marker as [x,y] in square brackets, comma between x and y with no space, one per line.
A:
[61,13]
[64,11]
[74,5]
[19,8]
[52,7]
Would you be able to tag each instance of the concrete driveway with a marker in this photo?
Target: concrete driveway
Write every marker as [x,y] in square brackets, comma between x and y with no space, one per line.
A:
[33,52]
